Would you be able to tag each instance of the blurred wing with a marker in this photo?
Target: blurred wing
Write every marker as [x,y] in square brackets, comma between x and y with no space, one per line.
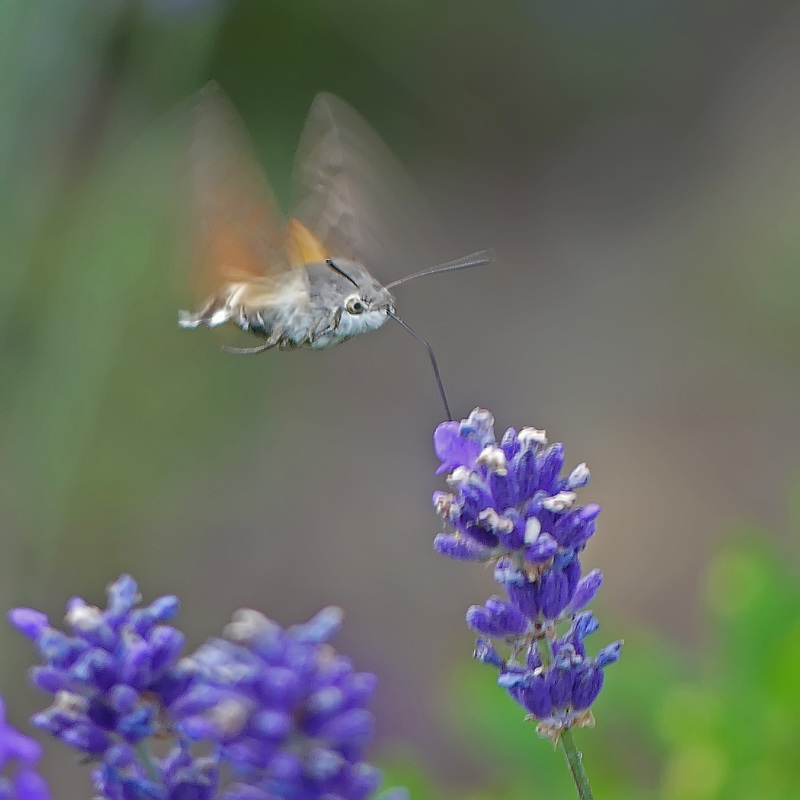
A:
[352,193]
[238,228]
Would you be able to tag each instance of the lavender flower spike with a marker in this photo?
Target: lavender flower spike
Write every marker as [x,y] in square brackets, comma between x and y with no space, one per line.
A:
[275,713]
[113,675]
[282,709]
[511,506]
[24,783]
[114,678]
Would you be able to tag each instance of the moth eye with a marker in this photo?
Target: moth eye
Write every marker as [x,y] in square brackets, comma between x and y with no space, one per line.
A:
[354,305]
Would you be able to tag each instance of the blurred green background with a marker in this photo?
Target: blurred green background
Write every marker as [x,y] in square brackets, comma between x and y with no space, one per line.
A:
[636,167]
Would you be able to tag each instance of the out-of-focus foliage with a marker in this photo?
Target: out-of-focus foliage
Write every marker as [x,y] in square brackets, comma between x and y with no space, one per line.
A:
[91,166]
[669,727]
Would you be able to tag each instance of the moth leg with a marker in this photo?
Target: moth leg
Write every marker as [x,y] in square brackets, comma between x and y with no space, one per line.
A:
[332,325]
[249,351]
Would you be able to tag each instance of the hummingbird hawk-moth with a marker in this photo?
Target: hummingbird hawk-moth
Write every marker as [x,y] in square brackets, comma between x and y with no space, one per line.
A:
[301,281]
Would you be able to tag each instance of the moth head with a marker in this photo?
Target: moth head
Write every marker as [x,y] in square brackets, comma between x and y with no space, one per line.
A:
[366,294]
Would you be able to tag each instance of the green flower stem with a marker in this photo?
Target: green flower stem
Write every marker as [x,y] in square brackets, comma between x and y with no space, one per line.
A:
[575,764]
[147,762]
[566,740]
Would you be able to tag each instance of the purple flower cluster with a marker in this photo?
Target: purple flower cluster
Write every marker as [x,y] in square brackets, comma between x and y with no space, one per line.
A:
[15,748]
[283,708]
[114,679]
[271,713]
[128,773]
[113,675]
[510,505]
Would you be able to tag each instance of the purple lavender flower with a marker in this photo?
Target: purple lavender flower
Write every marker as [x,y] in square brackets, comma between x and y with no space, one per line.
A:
[114,680]
[285,712]
[24,783]
[124,775]
[511,505]
[278,710]
[114,676]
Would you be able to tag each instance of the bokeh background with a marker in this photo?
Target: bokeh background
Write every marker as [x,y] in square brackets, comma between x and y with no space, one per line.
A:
[635,165]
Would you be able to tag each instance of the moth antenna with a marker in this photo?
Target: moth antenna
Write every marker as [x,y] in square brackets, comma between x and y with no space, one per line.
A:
[248,351]
[432,357]
[465,262]
[341,272]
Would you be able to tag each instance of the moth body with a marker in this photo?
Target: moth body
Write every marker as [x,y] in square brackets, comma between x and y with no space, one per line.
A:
[313,306]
